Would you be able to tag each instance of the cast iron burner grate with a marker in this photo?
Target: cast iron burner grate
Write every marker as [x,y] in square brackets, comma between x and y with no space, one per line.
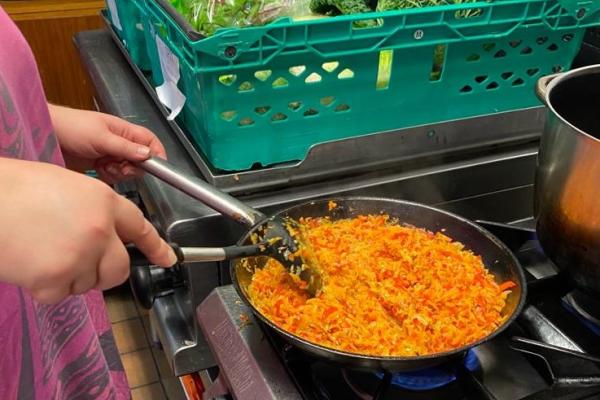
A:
[586,309]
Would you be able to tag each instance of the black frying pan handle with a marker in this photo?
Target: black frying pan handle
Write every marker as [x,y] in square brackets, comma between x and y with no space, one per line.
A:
[199,254]
[139,259]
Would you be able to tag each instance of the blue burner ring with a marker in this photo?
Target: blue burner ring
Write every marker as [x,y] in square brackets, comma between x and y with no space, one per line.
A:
[431,378]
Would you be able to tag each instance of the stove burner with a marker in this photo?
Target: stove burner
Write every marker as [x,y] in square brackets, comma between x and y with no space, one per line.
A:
[586,309]
[438,382]
[367,386]
[432,378]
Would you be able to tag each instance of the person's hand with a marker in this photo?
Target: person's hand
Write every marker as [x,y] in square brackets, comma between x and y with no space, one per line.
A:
[108,144]
[62,232]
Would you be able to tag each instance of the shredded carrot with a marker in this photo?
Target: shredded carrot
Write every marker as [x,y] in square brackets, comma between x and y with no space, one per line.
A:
[331,205]
[244,321]
[388,290]
[507,285]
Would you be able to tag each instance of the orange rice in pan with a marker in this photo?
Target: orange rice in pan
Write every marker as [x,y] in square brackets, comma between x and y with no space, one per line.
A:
[389,290]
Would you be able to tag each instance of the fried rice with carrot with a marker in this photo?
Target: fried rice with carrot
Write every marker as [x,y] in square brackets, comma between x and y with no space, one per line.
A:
[389,290]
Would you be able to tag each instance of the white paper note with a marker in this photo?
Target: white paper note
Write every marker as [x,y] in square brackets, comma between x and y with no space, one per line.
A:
[168,93]
[171,97]
[114,14]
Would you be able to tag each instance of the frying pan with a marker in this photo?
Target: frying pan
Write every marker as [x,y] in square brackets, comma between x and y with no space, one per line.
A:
[495,255]
[498,259]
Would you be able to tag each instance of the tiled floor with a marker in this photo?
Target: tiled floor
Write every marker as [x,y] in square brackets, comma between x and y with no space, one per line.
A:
[148,372]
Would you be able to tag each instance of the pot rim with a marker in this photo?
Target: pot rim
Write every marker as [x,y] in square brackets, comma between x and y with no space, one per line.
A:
[561,79]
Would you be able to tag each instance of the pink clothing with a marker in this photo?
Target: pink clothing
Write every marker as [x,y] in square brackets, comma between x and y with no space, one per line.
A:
[65,351]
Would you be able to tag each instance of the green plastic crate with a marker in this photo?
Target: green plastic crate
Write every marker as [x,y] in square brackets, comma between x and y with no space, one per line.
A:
[129,26]
[264,95]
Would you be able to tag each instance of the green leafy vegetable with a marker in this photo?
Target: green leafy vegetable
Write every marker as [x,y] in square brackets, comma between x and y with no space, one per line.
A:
[384,5]
[207,16]
[337,7]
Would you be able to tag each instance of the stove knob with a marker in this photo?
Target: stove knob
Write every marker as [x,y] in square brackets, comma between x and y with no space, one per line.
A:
[141,285]
[149,282]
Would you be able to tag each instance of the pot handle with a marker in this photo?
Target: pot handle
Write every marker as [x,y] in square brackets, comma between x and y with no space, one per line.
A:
[541,88]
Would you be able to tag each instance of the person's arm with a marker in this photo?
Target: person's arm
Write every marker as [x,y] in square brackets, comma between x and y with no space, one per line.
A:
[62,232]
[93,140]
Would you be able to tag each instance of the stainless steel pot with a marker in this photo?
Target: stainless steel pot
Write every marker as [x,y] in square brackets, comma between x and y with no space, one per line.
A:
[567,183]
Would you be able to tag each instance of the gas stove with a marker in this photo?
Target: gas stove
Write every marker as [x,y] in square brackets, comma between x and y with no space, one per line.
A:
[481,168]
[551,352]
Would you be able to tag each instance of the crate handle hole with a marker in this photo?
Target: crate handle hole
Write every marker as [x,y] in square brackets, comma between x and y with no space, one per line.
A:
[263,75]
[527,50]
[295,105]
[557,69]
[384,70]
[327,101]
[518,82]
[330,66]
[246,122]
[342,108]
[465,14]
[541,40]
[473,57]
[506,75]
[492,86]
[367,24]
[533,71]
[489,46]
[297,70]
[313,78]
[228,79]
[278,117]
[553,47]
[568,37]
[515,43]
[246,87]
[439,59]
[500,54]
[228,115]
[280,83]
[311,112]
[262,110]
[481,78]
[466,89]
[347,73]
